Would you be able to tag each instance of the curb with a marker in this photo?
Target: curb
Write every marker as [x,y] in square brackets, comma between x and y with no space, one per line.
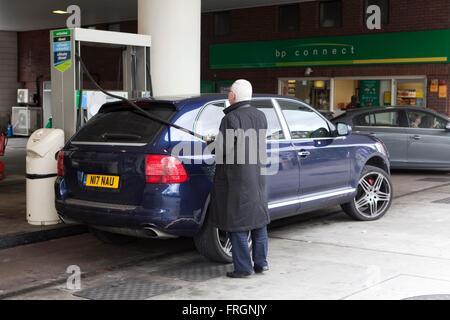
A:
[21,239]
[12,182]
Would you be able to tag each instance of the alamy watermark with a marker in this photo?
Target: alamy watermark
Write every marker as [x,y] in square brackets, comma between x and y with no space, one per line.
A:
[74,20]
[74,280]
[236,147]
[373,21]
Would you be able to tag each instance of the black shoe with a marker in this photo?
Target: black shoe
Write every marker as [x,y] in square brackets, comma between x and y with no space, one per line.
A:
[238,275]
[260,270]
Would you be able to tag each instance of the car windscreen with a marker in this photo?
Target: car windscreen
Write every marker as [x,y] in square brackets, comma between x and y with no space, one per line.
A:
[123,124]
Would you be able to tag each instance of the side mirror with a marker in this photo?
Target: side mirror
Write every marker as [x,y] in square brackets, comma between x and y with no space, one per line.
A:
[343,129]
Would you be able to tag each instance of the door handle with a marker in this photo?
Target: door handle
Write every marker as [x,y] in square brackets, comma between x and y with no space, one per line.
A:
[416,137]
[304,154]
[373,134]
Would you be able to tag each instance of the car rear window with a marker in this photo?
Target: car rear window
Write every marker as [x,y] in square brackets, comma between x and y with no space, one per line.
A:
[124,124]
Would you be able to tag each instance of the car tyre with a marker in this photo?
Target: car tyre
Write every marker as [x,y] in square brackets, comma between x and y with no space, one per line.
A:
[213,244]
[374,196]
[111,238]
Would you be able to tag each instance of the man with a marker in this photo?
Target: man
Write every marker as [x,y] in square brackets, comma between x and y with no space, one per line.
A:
[416,120]
[354,103]
[239,199]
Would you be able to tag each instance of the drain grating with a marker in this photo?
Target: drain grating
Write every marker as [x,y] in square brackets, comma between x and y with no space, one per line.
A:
[130,289]
[196,272]
[443,201]
[435,180]
[436,297]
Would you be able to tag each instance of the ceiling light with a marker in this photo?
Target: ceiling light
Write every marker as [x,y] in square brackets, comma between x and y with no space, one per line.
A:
[59,12]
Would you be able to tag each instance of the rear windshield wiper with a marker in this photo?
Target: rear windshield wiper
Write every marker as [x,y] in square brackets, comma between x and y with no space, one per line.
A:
[121,136]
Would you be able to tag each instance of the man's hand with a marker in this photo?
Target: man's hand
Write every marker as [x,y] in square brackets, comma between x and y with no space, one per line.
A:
[210,138]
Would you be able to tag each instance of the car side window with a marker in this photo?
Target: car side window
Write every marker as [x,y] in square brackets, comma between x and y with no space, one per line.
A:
[303,122]
[365,120]
[275,130]
[209,120]
[380,119]
[425,120]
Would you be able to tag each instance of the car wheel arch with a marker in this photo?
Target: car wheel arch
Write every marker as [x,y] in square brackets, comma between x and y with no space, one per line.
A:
[204,214]
[379,162]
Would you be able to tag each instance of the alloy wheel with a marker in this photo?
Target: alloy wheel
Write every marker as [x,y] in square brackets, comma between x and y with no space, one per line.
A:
[225,242]
[374,195]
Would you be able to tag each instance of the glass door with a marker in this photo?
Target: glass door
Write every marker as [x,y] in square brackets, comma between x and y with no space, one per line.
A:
[315,92]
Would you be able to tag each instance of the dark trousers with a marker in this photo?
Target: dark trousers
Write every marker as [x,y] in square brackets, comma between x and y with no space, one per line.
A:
[241,253]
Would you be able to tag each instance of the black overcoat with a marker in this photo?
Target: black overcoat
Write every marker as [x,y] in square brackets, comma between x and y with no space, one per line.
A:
[239,197]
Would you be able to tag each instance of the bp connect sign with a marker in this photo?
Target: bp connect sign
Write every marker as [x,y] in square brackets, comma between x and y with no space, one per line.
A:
[380,48]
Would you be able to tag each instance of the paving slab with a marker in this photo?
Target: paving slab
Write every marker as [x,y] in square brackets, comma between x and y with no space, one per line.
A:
[40,264]
[404,255]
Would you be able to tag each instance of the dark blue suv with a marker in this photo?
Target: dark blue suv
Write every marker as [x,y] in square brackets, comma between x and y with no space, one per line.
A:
[118,174]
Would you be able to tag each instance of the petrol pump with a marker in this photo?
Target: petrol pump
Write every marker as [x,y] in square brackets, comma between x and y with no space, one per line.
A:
[72,105]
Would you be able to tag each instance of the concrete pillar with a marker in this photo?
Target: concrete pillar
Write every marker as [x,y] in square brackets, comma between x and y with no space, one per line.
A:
[175,27]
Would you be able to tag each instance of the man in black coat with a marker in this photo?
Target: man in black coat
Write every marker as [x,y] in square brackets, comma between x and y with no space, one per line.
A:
[239,197]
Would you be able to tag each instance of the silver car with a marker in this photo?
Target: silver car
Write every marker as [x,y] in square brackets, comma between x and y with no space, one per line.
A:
[416,138]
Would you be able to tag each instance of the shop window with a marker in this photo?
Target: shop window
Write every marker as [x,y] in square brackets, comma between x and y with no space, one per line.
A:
[384,6]
[411,93]
[425,120]
[289,18]
[331,14]
[303,122]
[222,23]
[346,94]
[313,92]
[355,93]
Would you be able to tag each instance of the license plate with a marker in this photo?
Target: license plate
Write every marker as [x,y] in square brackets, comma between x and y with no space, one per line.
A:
[100,181]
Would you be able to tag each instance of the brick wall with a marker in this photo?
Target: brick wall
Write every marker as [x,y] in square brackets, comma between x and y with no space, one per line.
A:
[34,58]
[8,76]
[255,24]
[259,24]
[441,105]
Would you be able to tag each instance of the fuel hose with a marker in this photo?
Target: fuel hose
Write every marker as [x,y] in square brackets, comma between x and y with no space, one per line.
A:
[134,105]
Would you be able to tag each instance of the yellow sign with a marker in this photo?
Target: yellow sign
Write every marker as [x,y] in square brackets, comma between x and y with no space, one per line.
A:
[99,181]
[387,98]
[434,88]
[443,91]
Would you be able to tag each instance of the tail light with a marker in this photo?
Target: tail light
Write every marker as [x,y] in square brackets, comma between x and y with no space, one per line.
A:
[161,169]
[61,164]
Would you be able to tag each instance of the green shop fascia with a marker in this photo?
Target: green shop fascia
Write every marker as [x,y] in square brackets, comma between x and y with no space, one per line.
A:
[368,49]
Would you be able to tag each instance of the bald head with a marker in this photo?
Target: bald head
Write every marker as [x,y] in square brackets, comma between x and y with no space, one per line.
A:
[240,91]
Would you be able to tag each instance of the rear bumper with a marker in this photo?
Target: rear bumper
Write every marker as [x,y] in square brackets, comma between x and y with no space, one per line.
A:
[131,220]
